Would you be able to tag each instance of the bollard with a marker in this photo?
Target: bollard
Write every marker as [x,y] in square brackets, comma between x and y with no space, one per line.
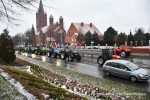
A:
[98,46]
[106,45]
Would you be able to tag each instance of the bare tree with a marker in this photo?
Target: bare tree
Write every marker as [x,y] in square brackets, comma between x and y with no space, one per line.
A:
[8,8]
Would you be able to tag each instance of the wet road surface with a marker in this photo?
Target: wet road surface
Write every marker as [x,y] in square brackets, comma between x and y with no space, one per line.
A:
[90,67]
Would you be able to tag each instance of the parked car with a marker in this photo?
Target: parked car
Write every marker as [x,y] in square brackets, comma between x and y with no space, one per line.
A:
[123,51]
[125,69]
[70,54]
[106,54]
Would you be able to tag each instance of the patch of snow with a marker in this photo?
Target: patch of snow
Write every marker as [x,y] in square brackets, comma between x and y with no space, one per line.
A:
[45,96]
[28,69]
[63,86]
[17,86]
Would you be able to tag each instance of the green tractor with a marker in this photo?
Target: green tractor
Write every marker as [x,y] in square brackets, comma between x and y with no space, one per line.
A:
[71,55]
[39,50]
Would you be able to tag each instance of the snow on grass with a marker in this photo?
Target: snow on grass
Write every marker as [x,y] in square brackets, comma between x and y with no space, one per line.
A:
[17,86]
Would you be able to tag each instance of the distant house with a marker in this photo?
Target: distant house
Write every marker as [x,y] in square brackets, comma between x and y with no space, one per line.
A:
[48,34]
[80,28]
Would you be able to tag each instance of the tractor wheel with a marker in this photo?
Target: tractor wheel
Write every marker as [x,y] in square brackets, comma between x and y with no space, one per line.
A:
[55,55]
[48,54]
[71,57]
[123,54]
[63,56]
[100,60]
[78,57]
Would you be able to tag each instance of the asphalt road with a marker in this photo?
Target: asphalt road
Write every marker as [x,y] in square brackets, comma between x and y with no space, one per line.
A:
[90,67]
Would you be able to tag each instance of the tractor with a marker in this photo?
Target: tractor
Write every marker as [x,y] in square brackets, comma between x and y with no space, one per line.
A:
[123,51]
[106,54]
[53,52]
[70,54]
[40,50]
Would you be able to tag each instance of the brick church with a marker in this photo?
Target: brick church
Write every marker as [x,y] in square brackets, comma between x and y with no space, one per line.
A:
[48,33]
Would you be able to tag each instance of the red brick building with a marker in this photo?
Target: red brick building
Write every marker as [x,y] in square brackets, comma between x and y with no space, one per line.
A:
[53,33]
[80,28]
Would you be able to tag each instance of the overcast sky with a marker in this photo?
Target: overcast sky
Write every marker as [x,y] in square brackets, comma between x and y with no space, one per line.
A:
[122,15]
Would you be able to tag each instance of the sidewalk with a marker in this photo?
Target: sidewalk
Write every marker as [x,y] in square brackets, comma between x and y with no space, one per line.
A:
[143,55]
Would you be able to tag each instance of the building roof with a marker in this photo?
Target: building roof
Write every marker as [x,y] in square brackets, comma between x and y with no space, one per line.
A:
[41,9]
[84,28]
[48,28]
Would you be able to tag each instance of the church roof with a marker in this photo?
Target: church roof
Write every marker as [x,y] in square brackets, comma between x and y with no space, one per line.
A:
[46,29]
[61,17]
[84,28]
[51,16]
[41,9]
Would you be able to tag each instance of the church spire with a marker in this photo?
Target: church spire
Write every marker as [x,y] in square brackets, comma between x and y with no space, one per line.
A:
[41,9]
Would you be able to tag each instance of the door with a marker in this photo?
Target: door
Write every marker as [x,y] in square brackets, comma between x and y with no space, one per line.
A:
[123,71]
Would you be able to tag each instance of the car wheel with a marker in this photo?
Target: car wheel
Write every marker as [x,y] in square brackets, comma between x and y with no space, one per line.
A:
[133,78]
[123,54]
[100,61]
[107,73]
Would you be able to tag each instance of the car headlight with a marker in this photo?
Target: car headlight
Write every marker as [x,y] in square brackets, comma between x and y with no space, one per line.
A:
[141,75]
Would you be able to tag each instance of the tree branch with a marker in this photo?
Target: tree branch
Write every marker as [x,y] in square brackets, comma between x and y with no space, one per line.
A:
[5,9]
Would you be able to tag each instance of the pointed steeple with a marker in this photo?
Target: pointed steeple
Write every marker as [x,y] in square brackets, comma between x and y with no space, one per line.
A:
[41,9]
[51,20]
[61,21]
[32,31]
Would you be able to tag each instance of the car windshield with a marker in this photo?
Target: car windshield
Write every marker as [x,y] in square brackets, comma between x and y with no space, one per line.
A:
[132,66]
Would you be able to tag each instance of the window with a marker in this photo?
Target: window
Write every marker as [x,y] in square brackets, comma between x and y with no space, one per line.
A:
[132,66]
[108,64]
[116,65]
[124,67]
[121,66]
[112,64]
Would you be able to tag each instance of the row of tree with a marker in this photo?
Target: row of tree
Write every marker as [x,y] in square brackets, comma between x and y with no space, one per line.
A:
[111,37]
[88,38]
[27,38]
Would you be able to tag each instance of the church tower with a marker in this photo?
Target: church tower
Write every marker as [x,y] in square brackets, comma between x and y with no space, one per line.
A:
[51,20]
[61,22]
[41,17]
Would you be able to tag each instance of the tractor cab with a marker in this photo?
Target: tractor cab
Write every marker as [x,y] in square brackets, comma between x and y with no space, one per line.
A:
[106,54]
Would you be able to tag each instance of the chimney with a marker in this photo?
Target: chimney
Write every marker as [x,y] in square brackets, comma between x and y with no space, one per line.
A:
[82,24]
[91,25]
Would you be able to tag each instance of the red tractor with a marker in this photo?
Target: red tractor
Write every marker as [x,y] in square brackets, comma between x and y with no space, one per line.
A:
[123,51]
[106,54]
